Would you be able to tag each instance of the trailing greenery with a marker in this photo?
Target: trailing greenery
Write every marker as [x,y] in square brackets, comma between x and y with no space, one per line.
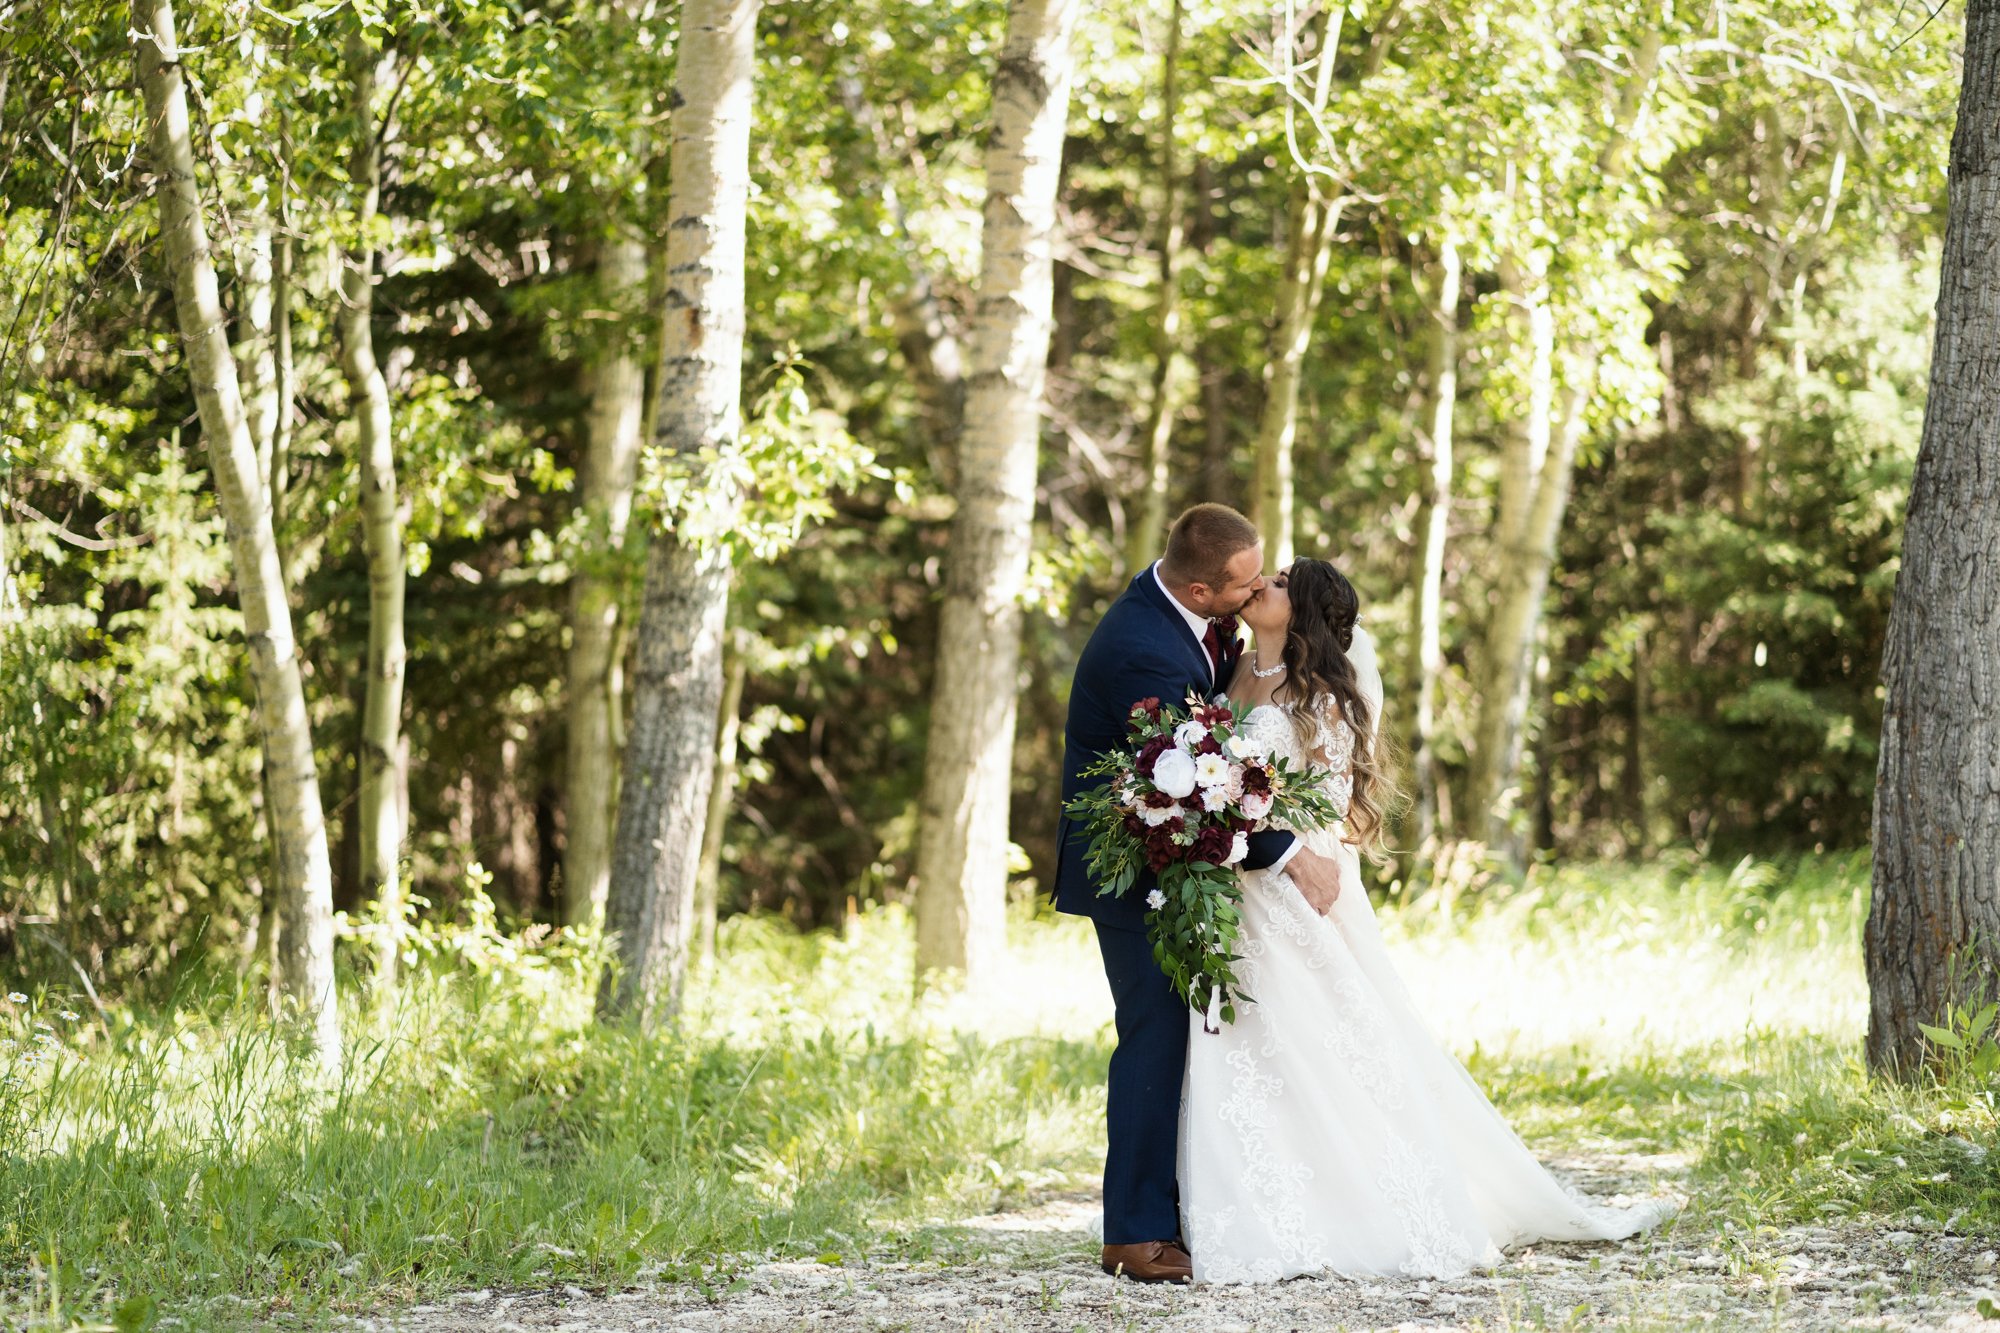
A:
[806,1108]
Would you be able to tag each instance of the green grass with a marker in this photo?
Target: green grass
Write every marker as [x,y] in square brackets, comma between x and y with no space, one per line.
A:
[486,1134]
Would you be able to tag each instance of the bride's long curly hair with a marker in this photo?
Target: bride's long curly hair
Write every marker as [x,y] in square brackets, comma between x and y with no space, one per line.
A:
[1324,610]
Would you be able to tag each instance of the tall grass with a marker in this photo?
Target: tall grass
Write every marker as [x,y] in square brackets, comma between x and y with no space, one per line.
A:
[485,1132]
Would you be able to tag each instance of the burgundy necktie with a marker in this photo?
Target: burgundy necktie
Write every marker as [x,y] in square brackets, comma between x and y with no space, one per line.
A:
[1212,642]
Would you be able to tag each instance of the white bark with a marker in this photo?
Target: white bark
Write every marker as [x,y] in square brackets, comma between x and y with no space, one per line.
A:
[962,843]
[305,886]
[1313,217]
[610,467]
[1933,932]
[384,767]
[256,348]
[1169,384]
[1437,443]
[669,763]
[1535,472]
[721,796]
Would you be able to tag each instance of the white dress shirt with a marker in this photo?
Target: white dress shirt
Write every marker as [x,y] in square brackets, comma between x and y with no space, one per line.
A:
[1198,626]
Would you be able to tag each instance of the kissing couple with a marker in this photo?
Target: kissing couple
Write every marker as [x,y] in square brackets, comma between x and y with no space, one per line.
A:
[1324,1130]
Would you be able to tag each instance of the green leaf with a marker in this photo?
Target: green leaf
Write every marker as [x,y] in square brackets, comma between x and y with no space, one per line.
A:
[1951,1041]
[133,1313]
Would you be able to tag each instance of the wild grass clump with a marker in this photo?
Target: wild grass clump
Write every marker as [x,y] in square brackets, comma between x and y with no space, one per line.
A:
[486,1133]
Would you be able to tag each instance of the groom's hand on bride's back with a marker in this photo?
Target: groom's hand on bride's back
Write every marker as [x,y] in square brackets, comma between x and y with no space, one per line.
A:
[1318,878]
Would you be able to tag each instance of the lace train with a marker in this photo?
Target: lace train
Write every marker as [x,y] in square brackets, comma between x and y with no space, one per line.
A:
[1327,1130]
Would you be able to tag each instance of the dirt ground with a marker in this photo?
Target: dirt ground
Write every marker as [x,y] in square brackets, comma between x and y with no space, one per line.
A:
[1035,1269]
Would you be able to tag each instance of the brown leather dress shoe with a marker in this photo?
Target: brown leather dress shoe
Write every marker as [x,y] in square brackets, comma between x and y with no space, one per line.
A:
[1149,1261]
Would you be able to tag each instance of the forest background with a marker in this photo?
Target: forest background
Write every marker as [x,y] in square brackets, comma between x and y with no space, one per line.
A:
[1592,343]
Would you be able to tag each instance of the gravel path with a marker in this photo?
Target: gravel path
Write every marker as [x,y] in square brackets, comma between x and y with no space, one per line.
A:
[1035,1270]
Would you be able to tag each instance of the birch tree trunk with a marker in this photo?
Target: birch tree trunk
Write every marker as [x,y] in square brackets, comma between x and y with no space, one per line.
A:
[1933,932]
[1535,472]
[670,761]
[1436,445]
[721,796]
[1312,217]
[1313,220]
[610,467]
[256,346]
[384,765]
[962,841]
[305,888]
[1169,383]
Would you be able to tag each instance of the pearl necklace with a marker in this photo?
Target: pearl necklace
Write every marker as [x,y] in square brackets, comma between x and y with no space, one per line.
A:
[1262,674]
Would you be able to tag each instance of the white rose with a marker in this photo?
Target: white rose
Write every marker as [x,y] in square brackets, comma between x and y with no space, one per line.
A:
[1239,847]
[1215,799]
[1211,770]
[1243,747]
[1156,900]
[1173,773]
[1256,804]
[1154,818]
[1190,734]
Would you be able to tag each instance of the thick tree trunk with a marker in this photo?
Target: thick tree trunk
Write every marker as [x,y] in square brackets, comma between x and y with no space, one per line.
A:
[1169,383]
[305,887]
[617,384]
[962,844]
[721,796]
[1436,446]
[384,773]
[1933,933]
[670,761]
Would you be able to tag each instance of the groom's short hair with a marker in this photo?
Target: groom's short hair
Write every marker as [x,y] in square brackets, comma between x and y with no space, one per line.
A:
[1203,541]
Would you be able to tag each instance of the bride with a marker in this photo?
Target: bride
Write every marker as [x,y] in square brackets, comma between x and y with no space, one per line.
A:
[1325,1130]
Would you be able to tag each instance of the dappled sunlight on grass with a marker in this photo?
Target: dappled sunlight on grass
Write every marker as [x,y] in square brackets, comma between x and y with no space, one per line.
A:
[809,1102]
[1049,983]
[1614,962]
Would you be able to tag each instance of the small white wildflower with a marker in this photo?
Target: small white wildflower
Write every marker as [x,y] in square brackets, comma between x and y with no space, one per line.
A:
[68,1016]
[17,997]
[1156,900]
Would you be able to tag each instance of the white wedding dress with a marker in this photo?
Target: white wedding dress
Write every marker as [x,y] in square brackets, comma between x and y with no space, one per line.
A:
[1325,1129]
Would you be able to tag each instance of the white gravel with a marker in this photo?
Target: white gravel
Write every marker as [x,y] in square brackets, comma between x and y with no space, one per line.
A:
[1035,1269]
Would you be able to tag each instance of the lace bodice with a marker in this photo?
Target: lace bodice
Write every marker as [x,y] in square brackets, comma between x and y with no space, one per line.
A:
[1331,754]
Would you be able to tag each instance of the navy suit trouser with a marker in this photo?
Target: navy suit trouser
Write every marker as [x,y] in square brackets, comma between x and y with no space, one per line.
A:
[1143,1120]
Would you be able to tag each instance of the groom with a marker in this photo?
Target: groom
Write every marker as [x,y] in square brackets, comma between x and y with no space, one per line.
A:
[1173,630]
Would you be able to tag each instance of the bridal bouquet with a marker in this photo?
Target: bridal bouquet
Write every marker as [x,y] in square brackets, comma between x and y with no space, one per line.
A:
[1181,801]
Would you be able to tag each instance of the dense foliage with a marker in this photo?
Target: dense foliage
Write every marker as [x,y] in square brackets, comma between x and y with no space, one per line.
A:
[1707,674]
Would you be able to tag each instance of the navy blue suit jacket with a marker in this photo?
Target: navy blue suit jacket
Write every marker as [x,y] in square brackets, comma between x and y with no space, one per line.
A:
[1142,648]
